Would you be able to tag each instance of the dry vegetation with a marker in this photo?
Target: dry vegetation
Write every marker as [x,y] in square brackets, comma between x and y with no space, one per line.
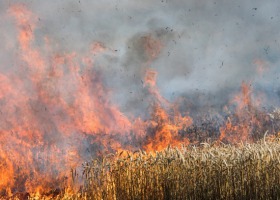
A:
[211,171]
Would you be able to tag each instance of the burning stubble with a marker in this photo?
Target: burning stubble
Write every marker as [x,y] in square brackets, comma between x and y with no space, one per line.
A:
[81,78]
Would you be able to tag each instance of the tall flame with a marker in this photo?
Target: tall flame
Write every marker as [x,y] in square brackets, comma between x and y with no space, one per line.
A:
[164,127]
[46,106]
[55,110]
[245,116]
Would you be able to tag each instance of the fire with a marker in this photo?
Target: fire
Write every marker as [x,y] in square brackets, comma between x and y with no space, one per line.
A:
[60,102]
[244,116]
[55,110]
[164,128]
[46,110]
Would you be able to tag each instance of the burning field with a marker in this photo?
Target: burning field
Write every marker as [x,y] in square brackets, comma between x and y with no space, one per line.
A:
[122,100]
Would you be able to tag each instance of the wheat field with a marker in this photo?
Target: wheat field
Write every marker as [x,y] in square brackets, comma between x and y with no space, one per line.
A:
[208,171]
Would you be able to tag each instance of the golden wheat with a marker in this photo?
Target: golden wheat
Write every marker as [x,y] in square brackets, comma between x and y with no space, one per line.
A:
[210,171]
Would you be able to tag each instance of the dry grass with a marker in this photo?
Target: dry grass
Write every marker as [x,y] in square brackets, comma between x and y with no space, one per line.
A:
[249,171]
[245,171]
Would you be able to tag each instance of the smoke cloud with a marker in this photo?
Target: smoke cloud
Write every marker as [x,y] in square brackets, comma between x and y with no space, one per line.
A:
[207,48]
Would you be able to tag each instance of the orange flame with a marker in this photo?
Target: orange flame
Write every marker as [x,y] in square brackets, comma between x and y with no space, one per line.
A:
[245,116]
[44,111]
[164,128]
[55,103]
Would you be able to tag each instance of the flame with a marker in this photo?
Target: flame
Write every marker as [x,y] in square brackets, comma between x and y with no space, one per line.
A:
[164,128]
[60,102]
[55,103]
[245,117]
[46,110]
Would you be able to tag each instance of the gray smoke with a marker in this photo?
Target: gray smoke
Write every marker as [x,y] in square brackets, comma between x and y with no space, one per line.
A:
[209,47]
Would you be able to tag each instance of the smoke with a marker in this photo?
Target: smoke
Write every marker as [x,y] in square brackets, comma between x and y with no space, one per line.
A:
[207,48]
[73,76]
